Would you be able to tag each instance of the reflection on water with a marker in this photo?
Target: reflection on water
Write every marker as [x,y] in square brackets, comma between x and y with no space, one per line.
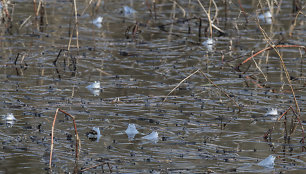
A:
[138,51]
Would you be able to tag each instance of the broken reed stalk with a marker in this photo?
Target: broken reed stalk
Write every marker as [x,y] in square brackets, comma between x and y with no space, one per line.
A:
[35,8]
[77,141]
[208,16]
[76,27]
[25,21]
[38,9]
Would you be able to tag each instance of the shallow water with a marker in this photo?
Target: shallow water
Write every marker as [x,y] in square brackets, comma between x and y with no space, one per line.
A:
[199,128]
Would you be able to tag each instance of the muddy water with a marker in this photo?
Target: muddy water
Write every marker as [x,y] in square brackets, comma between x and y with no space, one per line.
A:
[200,129]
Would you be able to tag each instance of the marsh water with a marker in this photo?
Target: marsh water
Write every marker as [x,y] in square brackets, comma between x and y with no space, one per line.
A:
[140,54]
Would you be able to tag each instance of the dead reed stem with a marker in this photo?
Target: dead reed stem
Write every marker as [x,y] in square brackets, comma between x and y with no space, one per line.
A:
[35,8]
[208,17]
[272,45]
[38,9]
[76,27]
[77,140]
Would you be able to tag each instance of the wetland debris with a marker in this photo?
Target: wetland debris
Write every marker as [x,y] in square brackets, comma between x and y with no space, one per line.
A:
[131,131]
[152,136]
[268,162]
